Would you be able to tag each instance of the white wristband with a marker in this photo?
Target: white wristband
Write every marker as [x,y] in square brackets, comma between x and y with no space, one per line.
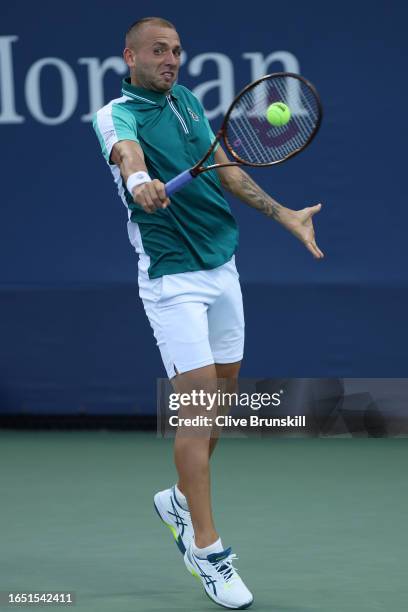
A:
[137,178]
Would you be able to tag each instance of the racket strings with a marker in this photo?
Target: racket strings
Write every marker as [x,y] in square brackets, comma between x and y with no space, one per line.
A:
[253,139]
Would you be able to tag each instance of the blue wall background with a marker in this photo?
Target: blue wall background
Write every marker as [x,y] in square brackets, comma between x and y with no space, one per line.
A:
[73,333]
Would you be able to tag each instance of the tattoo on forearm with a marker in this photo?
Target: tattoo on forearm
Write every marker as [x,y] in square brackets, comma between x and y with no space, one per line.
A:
[253,195]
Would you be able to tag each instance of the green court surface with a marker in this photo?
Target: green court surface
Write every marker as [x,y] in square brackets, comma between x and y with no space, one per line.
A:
[318,524]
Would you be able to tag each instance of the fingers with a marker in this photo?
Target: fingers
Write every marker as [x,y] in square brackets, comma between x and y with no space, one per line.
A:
[314,249]
[315,209]
[151,196]
[321,254]
[311,244]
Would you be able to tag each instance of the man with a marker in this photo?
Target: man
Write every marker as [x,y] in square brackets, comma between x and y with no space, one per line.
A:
[187,276]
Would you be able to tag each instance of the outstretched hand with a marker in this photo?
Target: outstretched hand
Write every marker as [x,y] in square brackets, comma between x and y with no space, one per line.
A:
[301,225]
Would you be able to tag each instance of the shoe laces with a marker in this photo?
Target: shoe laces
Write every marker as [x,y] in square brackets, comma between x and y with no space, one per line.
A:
[225,567]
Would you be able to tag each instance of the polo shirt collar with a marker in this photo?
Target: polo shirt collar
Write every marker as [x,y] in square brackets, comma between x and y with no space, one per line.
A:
[142,94]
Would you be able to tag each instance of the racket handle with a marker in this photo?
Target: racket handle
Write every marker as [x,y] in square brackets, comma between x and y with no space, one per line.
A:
[178,182]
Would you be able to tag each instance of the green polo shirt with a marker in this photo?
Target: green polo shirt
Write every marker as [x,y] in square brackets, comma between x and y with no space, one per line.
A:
[197,231]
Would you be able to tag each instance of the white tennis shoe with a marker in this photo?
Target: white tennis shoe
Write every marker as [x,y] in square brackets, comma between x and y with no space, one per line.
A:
[221,582]
[175,517]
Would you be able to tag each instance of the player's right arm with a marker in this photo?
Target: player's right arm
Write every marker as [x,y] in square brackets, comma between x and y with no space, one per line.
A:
[117,132]
[128,156]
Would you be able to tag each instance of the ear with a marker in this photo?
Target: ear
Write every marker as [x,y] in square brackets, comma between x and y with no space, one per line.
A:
[128,56]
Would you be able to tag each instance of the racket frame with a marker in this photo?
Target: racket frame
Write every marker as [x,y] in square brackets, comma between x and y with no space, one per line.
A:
[222,132]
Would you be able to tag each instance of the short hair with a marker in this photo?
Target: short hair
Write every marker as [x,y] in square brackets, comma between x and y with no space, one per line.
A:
[131,34]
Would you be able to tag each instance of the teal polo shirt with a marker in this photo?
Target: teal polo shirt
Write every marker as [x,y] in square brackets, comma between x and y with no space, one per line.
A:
[197,230]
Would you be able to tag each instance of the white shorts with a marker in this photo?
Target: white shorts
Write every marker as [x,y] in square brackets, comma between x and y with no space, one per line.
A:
[197,317]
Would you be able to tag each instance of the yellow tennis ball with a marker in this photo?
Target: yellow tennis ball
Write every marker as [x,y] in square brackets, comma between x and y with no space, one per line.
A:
[278,114]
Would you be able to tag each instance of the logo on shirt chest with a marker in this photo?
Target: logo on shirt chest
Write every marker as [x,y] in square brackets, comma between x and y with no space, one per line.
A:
[192,114]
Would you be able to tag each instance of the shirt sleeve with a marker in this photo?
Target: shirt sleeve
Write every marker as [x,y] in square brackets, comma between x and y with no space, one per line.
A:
[113,123]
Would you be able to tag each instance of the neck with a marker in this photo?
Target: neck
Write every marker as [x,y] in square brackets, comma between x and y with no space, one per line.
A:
[135,83]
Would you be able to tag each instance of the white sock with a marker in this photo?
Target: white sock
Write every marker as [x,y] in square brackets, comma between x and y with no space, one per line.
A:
[182,500]
[203,553]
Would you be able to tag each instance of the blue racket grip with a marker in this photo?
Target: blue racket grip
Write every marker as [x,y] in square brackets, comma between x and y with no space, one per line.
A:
[178,182]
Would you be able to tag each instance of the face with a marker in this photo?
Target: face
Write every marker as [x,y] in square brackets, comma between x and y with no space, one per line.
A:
[154,62]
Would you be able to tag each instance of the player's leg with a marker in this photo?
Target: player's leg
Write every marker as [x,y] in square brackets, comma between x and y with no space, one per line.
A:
[227,373]
[205,557]
[227,334]
[181,327]
[181,330]
[189,457]
[191,452]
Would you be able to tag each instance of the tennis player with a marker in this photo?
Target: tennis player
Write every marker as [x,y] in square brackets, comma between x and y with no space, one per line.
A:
[187,276]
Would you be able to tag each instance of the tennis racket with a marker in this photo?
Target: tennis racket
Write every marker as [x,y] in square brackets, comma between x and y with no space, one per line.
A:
[247,134]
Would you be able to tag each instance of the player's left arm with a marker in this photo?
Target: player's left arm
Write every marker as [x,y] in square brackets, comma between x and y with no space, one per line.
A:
[240,184]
